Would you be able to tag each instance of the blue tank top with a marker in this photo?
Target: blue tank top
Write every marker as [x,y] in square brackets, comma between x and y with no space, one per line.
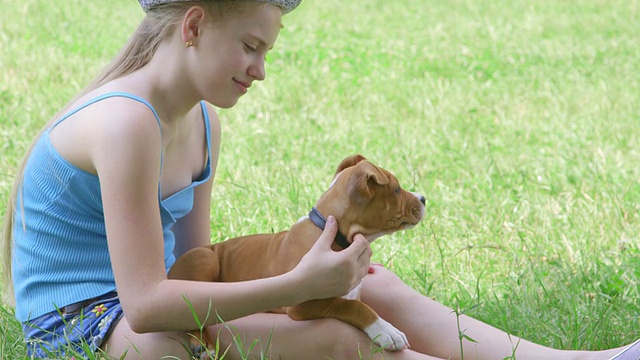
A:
[60,253]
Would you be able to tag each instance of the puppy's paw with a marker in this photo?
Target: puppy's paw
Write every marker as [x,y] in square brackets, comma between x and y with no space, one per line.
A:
[387,336]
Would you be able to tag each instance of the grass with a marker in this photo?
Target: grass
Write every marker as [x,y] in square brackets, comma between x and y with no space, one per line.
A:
[517,120]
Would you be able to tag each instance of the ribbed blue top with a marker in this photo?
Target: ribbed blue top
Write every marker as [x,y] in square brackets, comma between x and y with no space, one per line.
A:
[60,253]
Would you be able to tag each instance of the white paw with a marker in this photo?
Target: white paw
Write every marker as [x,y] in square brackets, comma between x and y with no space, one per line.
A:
[387,336]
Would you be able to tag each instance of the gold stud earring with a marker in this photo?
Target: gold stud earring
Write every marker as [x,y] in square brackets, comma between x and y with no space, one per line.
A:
[189,43]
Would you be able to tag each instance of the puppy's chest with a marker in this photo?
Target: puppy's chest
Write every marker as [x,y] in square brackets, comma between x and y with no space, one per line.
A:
[354,294]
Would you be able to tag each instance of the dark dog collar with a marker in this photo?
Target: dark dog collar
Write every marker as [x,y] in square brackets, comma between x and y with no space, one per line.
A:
[320,221]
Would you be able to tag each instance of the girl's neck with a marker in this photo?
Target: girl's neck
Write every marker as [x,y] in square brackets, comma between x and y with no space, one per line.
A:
[162,82]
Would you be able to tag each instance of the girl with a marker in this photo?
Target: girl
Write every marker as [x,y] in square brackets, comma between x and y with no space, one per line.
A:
[118,185]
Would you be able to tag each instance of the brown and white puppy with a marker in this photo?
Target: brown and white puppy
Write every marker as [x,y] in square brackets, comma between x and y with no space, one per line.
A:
[365,199]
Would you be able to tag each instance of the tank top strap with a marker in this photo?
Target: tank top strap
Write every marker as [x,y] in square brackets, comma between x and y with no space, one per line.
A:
[207,129]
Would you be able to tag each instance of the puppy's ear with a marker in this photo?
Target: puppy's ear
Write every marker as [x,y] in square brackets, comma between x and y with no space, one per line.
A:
[349,162]
[367,178]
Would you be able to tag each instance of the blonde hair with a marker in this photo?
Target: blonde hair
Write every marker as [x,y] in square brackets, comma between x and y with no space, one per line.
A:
[158,24]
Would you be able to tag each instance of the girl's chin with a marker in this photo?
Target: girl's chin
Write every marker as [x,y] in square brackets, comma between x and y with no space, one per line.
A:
[225,104]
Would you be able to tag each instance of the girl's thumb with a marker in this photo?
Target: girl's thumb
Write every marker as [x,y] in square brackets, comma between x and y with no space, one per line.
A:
[329,232]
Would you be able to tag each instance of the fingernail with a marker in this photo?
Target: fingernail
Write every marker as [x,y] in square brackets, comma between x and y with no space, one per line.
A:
[331,220]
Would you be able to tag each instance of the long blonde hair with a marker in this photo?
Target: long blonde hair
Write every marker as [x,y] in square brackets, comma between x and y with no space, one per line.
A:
[157,25]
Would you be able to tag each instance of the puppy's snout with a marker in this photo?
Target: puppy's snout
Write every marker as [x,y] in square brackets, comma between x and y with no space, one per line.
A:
[420,198]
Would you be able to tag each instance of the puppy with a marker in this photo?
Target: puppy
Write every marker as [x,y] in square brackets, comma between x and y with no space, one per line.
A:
[365,199]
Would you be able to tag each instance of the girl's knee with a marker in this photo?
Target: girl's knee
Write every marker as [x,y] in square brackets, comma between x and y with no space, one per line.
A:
[380,276]
[383,290]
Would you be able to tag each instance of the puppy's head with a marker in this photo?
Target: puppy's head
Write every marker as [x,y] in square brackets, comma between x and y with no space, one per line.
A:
[367,199]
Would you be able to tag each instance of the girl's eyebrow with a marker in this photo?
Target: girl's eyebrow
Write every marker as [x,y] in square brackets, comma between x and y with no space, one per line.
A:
[258,40]
[262,42]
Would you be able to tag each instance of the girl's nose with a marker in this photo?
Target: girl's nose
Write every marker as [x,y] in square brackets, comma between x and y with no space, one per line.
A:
[257,70]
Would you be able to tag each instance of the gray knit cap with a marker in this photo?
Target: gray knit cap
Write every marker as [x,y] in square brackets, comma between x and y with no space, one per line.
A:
[287,5]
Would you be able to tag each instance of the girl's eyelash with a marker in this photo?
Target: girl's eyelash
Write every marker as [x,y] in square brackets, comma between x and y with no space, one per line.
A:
[250,47]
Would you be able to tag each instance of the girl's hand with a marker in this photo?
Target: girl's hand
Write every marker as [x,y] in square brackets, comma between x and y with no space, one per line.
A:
[326,273]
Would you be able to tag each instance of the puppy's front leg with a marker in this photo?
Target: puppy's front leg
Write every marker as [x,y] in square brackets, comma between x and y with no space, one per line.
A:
[356,313]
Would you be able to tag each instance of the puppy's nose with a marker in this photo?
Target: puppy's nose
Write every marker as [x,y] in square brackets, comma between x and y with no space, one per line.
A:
[423,200]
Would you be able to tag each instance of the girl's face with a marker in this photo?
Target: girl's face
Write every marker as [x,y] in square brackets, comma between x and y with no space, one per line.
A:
[232,52]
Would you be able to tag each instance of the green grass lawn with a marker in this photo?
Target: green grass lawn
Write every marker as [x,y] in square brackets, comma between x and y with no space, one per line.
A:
[519,121]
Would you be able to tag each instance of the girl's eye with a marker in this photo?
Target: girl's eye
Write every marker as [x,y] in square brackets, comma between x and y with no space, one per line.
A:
[250,47]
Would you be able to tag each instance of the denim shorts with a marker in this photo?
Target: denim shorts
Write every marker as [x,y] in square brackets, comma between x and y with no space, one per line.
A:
[80,328]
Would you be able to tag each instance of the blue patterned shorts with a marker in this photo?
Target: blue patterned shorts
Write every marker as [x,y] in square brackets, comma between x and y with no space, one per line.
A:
[80,327]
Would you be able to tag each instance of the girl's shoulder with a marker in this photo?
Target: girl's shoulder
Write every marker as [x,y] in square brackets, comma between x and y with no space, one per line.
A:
[105,122]
[114,115]
[112,104]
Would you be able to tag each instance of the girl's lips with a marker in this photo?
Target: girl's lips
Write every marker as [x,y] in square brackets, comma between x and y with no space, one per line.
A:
[242,86]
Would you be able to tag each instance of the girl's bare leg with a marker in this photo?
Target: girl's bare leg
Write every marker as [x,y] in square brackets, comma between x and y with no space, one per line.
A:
[432,327]
[274,335]
[279,337]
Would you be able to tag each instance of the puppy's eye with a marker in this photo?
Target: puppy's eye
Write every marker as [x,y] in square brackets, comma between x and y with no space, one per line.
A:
[397,190]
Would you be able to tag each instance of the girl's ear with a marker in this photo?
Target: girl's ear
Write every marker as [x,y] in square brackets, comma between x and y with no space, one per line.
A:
[191,23]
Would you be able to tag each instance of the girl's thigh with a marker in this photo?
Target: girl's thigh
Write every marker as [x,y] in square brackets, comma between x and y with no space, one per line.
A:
[276,336]
[124,343]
